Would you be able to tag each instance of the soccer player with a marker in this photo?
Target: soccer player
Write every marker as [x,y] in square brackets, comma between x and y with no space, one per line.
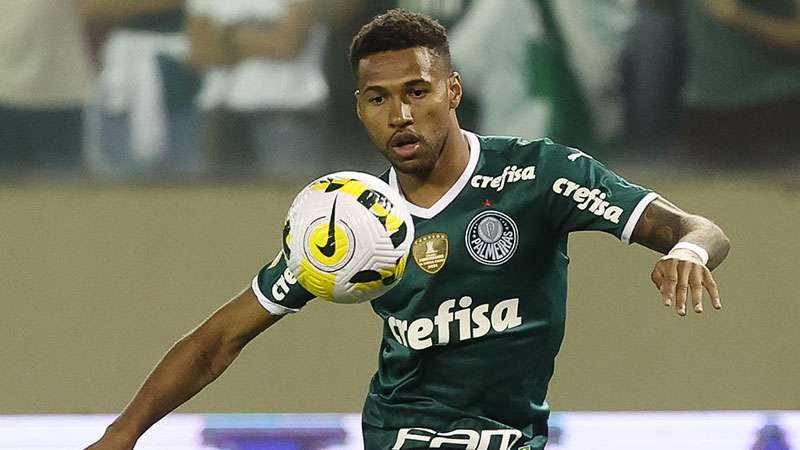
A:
[472,331]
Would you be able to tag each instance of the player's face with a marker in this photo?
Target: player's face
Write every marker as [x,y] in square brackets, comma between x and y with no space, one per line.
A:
[406,100]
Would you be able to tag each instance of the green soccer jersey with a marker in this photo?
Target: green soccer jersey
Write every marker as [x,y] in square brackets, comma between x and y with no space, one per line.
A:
[472,330]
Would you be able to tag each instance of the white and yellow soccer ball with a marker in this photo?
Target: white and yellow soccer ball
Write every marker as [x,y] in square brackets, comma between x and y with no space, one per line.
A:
[347,237]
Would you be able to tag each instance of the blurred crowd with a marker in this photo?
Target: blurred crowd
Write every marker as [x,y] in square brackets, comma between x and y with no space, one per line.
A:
[262,89]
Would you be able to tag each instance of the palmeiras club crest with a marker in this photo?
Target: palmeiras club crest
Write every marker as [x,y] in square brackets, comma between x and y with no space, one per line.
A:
[492,238]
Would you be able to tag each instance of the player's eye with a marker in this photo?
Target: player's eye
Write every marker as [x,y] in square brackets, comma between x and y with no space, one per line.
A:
[417,93]
[377,100]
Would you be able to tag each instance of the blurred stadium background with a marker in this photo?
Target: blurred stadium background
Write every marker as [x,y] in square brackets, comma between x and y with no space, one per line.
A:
[149,150]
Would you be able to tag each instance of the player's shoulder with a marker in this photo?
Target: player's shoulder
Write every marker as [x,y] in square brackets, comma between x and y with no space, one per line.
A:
[520,148]
[516,144]
[510,144]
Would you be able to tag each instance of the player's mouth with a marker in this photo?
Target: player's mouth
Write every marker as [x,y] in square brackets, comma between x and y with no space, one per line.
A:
[404,144]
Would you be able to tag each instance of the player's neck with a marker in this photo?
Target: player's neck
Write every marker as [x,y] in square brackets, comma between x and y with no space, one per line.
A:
[424,190]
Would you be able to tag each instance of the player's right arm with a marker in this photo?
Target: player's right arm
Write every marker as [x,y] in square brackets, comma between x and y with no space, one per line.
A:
[192,363]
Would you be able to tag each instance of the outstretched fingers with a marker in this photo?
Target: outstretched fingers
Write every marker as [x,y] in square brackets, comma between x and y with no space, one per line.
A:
[711,286]
[696,286]
[680,281]
[665,277]
[682,287]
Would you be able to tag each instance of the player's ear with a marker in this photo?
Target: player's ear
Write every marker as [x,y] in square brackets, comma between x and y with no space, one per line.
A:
[454,90]
[356,94]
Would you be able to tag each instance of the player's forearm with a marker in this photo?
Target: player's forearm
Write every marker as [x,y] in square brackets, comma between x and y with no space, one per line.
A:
[663,224]
[191,364]
[700,231]
[663,235]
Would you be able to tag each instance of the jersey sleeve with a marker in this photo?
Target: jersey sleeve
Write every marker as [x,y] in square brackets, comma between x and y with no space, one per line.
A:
[583,194]
[278,290]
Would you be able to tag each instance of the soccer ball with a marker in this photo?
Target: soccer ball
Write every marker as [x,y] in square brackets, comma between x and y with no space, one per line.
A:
[347,237]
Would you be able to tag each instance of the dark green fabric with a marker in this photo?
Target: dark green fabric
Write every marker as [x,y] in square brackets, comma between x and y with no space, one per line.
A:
[456,375]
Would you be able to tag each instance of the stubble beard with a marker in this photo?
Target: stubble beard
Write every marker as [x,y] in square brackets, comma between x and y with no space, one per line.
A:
[424,164]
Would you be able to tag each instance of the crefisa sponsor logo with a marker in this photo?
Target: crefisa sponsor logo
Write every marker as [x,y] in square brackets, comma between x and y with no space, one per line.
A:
[473,322]
[511,174]
[282,285]
[592,200]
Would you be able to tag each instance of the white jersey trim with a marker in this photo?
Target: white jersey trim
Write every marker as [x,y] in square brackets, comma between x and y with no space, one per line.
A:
[455,189]
[635,215]
[269,305]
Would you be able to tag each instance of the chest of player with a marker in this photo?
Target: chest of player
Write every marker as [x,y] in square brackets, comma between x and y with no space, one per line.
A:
[487,247]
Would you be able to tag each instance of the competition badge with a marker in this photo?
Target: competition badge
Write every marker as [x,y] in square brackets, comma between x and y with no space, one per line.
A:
[430,252]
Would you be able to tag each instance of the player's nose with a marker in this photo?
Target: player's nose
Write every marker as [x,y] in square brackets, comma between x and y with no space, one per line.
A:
[400,115]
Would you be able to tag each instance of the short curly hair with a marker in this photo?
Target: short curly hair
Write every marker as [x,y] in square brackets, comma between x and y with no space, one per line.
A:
[399,29]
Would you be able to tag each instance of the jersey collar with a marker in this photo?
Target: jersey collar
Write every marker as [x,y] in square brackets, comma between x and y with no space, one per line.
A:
[455,189]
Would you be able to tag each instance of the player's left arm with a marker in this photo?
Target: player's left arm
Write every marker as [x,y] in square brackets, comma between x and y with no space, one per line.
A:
[682,272]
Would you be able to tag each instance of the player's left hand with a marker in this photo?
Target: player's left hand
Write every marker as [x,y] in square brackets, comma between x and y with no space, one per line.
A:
[680,274]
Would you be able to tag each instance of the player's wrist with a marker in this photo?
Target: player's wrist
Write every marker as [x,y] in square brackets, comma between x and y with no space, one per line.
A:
[120,436]
[688,248]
